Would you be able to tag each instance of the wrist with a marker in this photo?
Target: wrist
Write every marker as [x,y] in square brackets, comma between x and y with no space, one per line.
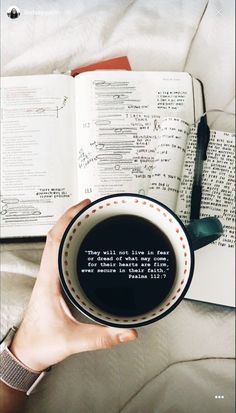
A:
[24,349]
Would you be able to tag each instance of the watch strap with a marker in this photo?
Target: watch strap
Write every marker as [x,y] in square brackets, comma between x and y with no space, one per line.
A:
[16,375]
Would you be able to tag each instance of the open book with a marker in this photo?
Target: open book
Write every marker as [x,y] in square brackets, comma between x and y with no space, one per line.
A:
[104,132]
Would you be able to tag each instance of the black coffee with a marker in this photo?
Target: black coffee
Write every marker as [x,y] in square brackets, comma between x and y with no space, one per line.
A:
[126,265]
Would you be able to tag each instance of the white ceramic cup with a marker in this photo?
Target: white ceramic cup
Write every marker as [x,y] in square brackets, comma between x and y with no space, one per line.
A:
[159,215]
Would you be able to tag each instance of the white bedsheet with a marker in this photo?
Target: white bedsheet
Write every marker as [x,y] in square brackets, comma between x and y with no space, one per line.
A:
[182,362]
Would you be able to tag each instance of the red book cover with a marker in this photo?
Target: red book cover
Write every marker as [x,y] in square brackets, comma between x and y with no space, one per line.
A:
[118,63]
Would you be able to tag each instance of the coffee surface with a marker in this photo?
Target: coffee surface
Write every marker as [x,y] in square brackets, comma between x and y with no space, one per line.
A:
[126,265]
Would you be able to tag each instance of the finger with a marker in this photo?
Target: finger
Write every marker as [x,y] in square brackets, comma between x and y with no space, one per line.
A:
[89,337]
[56,232]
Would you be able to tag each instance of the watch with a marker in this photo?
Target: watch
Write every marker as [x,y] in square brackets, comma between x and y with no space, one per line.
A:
[13,372]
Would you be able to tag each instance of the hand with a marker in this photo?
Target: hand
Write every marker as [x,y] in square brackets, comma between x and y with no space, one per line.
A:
[49,333]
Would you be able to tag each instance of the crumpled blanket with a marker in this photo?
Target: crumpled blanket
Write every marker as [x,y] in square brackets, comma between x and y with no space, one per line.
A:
[185,361]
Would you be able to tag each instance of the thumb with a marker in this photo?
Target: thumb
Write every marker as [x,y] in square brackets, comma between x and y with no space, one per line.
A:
[91,337]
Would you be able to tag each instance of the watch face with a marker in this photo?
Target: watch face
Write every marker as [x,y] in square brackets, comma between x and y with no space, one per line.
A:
[7,339]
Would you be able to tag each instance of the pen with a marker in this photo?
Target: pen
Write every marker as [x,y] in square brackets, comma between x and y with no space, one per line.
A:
[203,136]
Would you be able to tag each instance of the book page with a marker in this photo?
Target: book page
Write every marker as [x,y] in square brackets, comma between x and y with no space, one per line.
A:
[214,277]
[118,116]
[38,174]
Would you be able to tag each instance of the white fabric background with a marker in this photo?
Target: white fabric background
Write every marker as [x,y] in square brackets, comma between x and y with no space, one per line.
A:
[179,364]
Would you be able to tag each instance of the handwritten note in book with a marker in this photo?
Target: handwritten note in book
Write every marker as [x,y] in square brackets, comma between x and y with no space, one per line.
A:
[36,119]
[120,126]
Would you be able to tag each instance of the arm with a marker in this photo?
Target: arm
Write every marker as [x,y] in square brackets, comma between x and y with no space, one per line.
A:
[49,333]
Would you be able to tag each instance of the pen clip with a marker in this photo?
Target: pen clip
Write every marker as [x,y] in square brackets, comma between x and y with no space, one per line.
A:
[203,136]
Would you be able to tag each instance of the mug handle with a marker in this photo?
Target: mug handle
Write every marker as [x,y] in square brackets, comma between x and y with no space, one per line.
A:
[204,231]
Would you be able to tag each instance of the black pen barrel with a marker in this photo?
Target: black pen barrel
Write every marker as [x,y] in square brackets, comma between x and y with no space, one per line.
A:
[196,202]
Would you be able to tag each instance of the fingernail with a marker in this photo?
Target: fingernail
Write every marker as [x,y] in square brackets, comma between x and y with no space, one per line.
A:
[124,337]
